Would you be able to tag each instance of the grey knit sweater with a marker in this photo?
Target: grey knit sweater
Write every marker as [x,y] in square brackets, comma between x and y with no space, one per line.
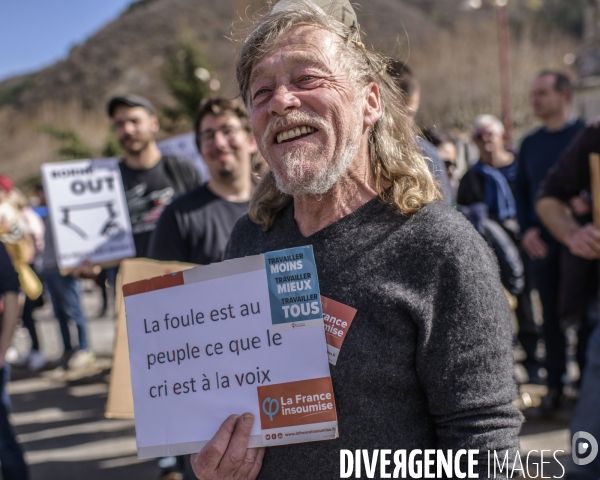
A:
[427,362]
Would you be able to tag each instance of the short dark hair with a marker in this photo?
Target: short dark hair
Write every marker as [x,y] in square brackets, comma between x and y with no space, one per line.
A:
[404,78]
[219,107]
[562,83]
[437,137]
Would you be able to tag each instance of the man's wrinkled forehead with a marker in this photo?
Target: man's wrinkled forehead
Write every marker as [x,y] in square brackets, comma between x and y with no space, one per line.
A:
[302,45]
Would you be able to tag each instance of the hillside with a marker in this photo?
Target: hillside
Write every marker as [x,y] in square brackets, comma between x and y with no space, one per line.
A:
[129,53]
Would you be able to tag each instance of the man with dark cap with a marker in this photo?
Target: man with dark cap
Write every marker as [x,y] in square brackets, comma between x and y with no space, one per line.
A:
[151,180]
[195,228]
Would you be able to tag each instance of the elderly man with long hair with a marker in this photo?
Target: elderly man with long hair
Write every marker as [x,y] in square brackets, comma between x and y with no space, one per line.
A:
[427,362]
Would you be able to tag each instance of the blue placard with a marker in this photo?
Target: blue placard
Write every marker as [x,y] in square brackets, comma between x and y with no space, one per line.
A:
[293,285]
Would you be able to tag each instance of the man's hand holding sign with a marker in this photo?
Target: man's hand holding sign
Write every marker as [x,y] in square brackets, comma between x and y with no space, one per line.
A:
[227,455]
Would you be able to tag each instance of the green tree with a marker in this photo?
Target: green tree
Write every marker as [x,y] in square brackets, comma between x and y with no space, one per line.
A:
[30,182]
[565,15]
[185,75]
[9,95]
[112,147]
[71,145]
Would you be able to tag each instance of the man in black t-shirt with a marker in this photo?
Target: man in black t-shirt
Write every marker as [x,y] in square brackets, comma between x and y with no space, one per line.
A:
[151,180]
[195,227]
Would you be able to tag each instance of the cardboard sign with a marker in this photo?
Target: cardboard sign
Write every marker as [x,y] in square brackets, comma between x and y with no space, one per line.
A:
[212,341]
[120,397]
[337,318]
[88,212]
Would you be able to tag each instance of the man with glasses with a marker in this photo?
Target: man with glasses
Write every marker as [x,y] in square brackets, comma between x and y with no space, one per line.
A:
[195,228]
[151,180]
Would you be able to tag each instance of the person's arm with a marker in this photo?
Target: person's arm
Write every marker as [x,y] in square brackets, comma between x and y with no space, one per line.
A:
[9,288]
[465,360]
[522,192]
[462,194]
[10,319]
[565,180]
[531,238]
[168,242]
[557,217]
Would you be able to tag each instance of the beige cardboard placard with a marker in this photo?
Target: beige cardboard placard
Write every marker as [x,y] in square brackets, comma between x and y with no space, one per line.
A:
[120,397]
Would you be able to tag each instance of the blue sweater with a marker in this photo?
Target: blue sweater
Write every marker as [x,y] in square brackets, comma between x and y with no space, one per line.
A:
[539,152]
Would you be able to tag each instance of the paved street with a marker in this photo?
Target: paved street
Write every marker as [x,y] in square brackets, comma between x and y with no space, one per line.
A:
[59,416]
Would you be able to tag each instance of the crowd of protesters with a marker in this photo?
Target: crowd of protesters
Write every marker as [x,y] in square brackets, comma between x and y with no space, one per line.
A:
[532,206]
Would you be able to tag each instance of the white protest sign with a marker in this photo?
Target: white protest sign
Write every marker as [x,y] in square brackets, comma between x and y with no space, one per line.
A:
[217,340]
[184,147]
[88,212]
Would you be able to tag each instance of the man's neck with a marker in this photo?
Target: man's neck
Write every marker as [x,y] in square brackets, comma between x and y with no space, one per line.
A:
[500,159]
[238,190]
[145,158]
[314,212]
[557,122]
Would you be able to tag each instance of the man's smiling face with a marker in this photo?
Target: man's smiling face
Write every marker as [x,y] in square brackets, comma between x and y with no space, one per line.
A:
[306,113]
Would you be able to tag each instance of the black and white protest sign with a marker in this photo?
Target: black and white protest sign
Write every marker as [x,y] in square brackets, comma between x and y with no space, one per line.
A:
[88,212]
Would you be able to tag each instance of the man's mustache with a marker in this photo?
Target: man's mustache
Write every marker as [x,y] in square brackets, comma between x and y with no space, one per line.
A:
[293,118]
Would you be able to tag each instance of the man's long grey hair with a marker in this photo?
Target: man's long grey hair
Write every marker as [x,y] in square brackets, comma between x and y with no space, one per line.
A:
[399,170]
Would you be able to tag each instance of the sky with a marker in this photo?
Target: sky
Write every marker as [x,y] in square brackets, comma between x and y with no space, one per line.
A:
[37,33]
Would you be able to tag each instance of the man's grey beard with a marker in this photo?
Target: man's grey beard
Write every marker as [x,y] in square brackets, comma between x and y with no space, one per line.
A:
[322,181]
